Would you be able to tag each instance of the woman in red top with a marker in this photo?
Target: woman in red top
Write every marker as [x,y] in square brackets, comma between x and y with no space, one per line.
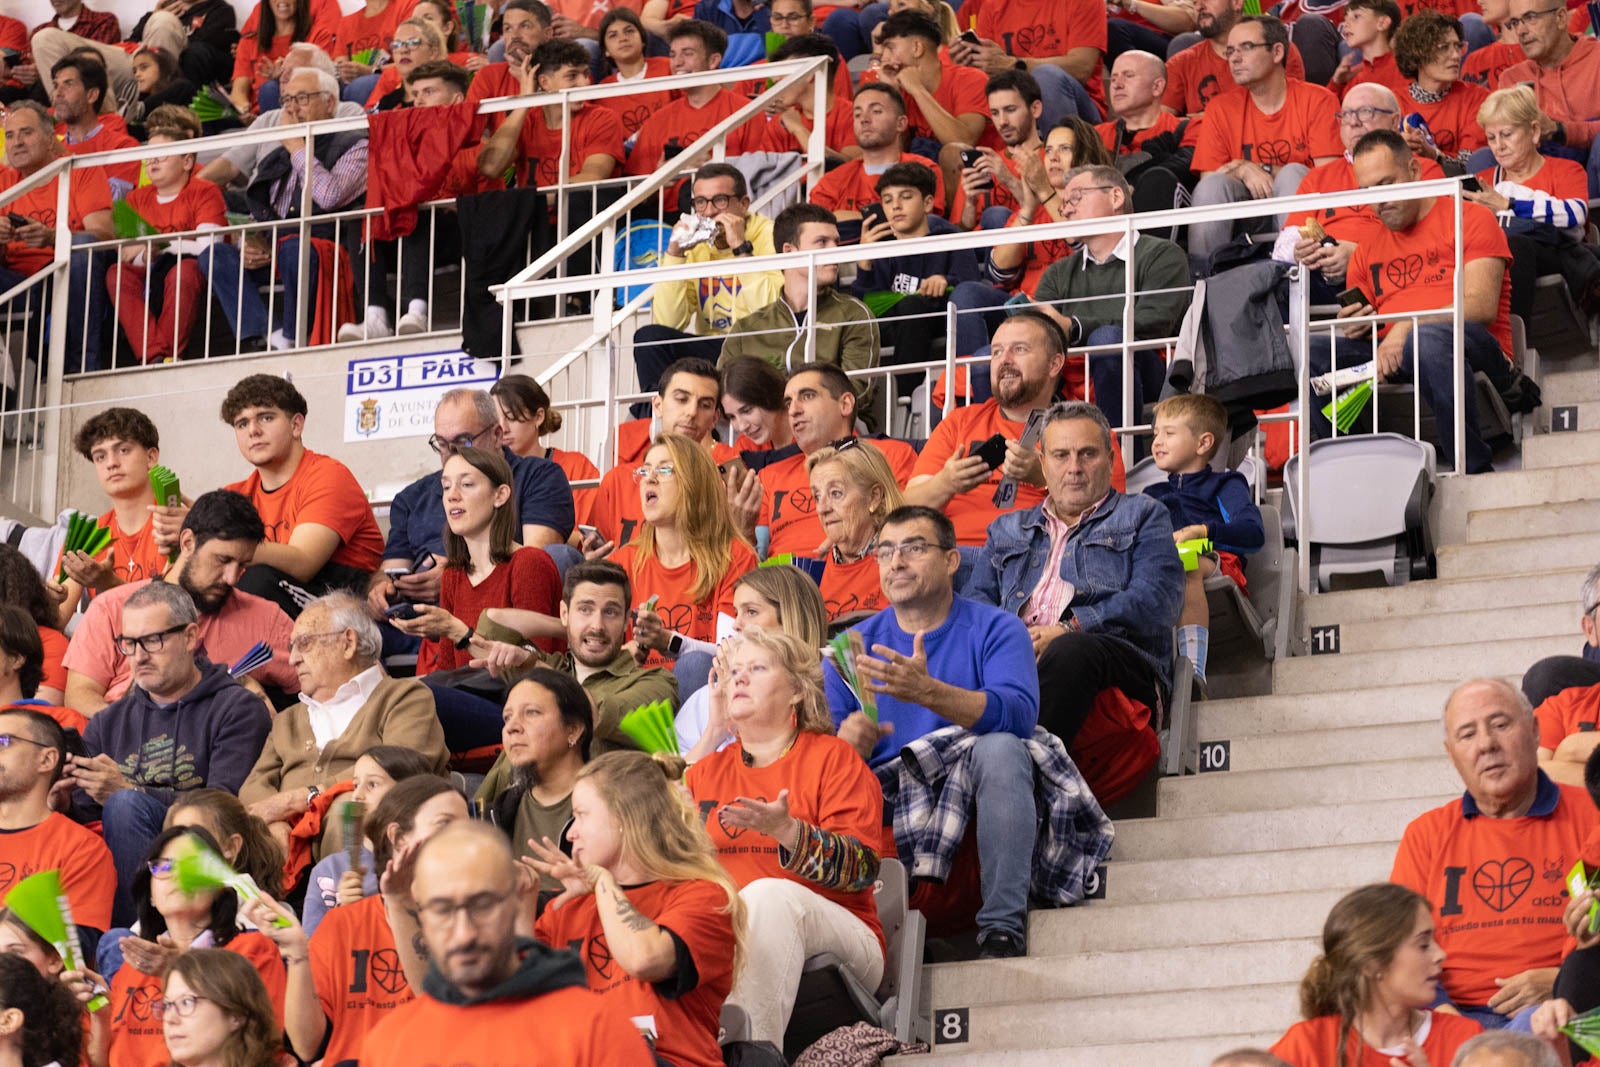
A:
[1367,998]
[1428,50]
[416,41]
[1525,189]
[258,59]
[525,417]
[217,1013]
[23,590]
[752,400]
[671,937]
[622,53]
[855,490]
[803,857]
[442,17]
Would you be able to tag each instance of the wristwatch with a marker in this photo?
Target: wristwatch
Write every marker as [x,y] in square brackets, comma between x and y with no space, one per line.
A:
[744,249]
[675,642]
[466,639]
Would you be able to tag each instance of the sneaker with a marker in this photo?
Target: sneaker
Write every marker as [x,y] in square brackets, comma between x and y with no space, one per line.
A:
[353,331]
[412,322]
[375,326]
[1001,947]
[278,342]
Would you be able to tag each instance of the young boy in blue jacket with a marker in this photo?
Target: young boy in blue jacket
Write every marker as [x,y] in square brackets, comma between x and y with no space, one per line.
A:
[1204,503]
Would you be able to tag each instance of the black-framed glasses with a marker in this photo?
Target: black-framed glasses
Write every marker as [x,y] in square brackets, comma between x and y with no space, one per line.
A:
[913,550]
[1362,115]
[182,1007]
[149,642]
[1527,20]
[446,445]
[479,907]
[301,99]
[1243,48]
[719,202]
[1075,197]
[6,739]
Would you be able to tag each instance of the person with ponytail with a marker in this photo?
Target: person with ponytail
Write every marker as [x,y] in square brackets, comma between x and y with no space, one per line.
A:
[1367,998]
[672,937]
[806,859]
[247,844]
[526,417]
[41,1023]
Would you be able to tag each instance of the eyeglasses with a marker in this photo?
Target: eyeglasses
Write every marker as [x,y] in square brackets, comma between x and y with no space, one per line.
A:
[1527,20]
[1243,48]
[479,908]
[796,18]
[148,642]
[6,739]
[301,99]
[1363,115]
[406,44]
[661,473]
[299,644]
[1076,196]
[182,1007]
[446,445]
[912,550]
[1452,48]
[160,868]
[715,203]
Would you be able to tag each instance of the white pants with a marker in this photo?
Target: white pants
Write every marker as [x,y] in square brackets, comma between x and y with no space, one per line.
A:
[789,923]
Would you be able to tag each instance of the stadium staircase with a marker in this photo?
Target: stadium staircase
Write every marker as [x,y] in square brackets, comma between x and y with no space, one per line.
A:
[1213,908]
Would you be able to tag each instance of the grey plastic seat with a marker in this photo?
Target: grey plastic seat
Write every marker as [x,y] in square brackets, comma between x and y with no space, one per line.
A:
[1257,621]
[1369,499]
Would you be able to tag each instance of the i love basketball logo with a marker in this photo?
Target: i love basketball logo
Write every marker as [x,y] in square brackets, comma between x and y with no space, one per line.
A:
[1406,270]
[1274,153]
[634,117]
[1501,883]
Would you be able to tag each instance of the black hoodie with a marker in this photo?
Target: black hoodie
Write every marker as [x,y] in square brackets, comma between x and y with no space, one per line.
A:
[540,969]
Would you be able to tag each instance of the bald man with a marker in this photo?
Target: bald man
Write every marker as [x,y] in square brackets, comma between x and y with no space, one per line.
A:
[1492,862]
[485,983]
[1137,82]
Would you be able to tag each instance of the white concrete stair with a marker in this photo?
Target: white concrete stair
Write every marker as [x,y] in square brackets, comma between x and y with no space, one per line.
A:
[1158,881]
[1318,748]
[1197,1050]
[1515,555]
[1179,838]
[1296,787]
[1557,517]
[1422,599]
[1557,618]
[1560,449]
[1440,663]
[1296,712]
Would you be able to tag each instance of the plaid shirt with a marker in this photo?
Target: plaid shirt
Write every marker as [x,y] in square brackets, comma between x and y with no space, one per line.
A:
[930,789]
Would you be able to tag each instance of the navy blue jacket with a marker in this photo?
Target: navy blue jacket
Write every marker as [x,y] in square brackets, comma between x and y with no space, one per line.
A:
[1219,499]
[904,274]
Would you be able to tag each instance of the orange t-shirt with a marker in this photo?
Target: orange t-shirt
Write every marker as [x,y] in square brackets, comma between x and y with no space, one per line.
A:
[1315,1042]
[569,1026]
[852,587]
[1562,178]
[55,649]
[616,510]
[357,31]
[850,187]
[134,556]
[577,467]
[1484,66]
[1495,885]
[635,108]
[1198,73]
[1303,129]
[970,426]
[961,91]
[1571,711]
[769,134]
[596,131]
[1034,29]
[357,973]
[136,1030]
[199,203]
[88,192]
[684,123]
[1414,270]
[691,618]
[67,717]
[685,1020]
[829,786]
[323,491]
[789,510]
[59,844]
[1347,223]
[1453,121]
[1384,71]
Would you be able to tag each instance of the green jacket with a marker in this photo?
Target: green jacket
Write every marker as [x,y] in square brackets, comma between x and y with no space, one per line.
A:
[847,335]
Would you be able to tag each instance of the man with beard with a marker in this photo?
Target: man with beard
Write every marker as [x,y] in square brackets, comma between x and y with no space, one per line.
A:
[217,541]
[995,184]
[524,25]
[77,98]
[1200,72]
[1562,70]
[881,124]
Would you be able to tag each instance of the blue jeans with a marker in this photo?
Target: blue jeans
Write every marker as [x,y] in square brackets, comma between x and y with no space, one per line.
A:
[1007,825]
[468,720]
[1125,36]
[975,322]
[86,304]
[1434,339]
[851,29]
[1063,95]
[108,953]
[1105,370]
[693,671]
[359,89]
[242,303]
[130,820]
[268,98]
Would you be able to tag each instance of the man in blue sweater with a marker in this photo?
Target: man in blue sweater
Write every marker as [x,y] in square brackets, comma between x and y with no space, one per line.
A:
[183,724]
[939,660]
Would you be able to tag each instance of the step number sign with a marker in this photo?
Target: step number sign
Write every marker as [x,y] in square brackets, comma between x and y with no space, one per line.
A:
[950,1026]
[1564,419]
[1325,640]
[1215,756]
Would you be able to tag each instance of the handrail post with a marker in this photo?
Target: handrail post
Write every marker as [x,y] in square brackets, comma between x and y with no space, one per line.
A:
[55,374]
[949,364]
[1458,372]
[1300,339]
[308,205]
[562,166]
[1129,289]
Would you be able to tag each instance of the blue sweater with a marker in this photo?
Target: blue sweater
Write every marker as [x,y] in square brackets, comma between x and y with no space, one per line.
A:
[1219,499]
[979,648]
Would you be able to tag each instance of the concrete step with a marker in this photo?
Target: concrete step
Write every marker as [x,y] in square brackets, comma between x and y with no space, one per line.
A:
[1093,974]
[1214,838]
[1560,449]
[1454,594]
[1099,927]
[1291,713]
[1438,663]
[1588,415]
[1298,787]
[1508,524]
[1196,1050]
[1518,555]
[1106,1020]
[1245,873]
[1571,386]
[1556,619]
[1355,744]
[1457,497]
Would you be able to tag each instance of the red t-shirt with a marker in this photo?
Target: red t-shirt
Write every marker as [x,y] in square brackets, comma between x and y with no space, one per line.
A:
[1484,66]
[1384,72]
[829,786]
[1034,29]
[1562,178]
[1166,123]
[1495,886]
[769,134]
[357,31]
[528,581]
[570,1026]
[1571,711]
[1199,72]
[680,613]
[1305,128]
[323,491]
[1036,260]
[199,203]
[1346,223]
[249,49]
[88,192]
[635,108]
[112,133]
[789,509]
[851,587]
[491,82]
[463,179]
[850,187]
[961,91]
[1315,1042]
[357,973]
[55,650]
[685,123]
[1414,270]
[685,1020]
[616,511]
[596,130]
[1453,121]
[136,1030]
[59,844]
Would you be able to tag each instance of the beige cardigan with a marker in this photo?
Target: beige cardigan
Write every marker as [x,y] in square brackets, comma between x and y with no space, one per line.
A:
[400,712]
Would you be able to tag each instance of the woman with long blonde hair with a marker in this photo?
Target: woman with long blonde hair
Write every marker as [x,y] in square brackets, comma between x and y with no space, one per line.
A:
[632,826]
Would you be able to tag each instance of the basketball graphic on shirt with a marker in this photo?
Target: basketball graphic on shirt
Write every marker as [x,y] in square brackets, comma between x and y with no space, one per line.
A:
[1403,272]
[1274,153]
[733,832]
[1501,883]
[8,874]
[599,956]
[386,971]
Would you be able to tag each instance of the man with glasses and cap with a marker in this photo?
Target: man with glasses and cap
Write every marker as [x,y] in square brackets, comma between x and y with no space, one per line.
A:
[184,724]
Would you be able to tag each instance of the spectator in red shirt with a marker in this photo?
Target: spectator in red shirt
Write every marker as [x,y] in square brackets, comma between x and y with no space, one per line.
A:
[1259,139]
[524,25]
[531,141]
[1199,72]
[1565,74]
[1059,42]
[879,115]
[1016,103]
[257,63]
[1137,83]
[752,402]
[77,95]
[1428,50]
[790,118]
[695,47]
[122,444]
[1487,61]
[622,53]
[1368,29]
[945,103]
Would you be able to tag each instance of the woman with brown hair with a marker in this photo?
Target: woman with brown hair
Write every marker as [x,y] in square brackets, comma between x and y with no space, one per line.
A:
[752,400]
[270,31]
[1367,998]
[217,1013]
[526,417]
[1428,49]
[246,843]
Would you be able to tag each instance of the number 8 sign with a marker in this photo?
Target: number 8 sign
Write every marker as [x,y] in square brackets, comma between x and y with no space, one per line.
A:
[950,1026]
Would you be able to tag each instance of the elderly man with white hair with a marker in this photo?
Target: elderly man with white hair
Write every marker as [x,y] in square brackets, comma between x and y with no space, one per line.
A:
[1492,862]
[347,705]
[1500,1048]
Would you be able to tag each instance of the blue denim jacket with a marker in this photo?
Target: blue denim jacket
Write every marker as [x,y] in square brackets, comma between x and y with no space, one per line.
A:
[1122,563]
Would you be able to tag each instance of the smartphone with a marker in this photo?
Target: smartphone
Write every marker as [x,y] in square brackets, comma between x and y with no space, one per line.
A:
[1352,298]
[1471,184]
[406,610]
[589,533]
[422,563]
[17,220]
[873,215]
[969,158]
[971,37]
[992,451]
[394,574]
